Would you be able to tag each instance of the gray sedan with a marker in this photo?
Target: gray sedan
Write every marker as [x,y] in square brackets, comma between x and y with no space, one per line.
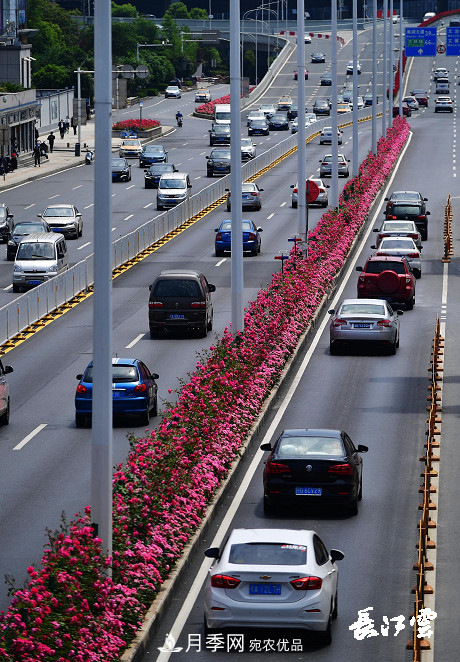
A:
[403,247]
[364,321]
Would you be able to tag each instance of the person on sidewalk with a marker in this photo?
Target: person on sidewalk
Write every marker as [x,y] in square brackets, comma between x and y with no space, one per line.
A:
[67,124]
[51,138]
[44,150]
[13,161]
[74,125]
[37,153]
[61,127]
[36,133]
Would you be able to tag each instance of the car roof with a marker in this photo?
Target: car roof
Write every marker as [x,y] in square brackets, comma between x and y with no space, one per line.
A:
[58,206]
[43,236]
[356,302]
[183,273]
[271,535]
[311,432]
[386,258]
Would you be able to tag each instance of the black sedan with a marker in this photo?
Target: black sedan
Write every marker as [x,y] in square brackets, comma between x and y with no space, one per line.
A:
[153,174]
[219,134]
[326,79]
[20,231]
[219,162]
[318,57]
[278,121]
[309,467]
[152,154]
[258,128]
[121,170]
[293,112]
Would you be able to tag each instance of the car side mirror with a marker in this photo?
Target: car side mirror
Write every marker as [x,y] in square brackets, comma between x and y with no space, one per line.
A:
[7,369]
[327,186]
[425,199]
[216,229]
[212,553]
[79,377]
[399,312]
[336,555]
[291,186]
[207,157]
[362,449]
[331,311]
[266,447]
[154,375]
[260,190]
[428,213]
[260,229]
[145,170]
[374,248]
[211,288]
[359,268]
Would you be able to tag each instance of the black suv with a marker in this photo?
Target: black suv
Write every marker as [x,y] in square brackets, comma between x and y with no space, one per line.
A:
[6,222]
[219,134]
[219,162]
[321,107]
[20,231]
[408,206]
[180,300]
[153,174]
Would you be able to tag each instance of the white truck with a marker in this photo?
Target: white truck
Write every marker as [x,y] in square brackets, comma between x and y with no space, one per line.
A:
[222,113]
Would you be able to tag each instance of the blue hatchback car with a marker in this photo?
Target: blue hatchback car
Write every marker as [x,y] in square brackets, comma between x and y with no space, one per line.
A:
[134,391]
[251,237]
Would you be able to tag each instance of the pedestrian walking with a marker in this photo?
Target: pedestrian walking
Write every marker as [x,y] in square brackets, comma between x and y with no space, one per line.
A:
[44,150]
[61,127]
[67,124]
[74,125]
[37,154]
[36,133]
[51,138]
[88,111]
[14,161]
[6,163]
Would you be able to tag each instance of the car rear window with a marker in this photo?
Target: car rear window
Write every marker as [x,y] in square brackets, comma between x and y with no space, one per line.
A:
[120,373]
[406,210]
[377,267]
[226,227]
[391,244]
[171,287]
[362,309]
[398,227]
[257,553]
[309,446]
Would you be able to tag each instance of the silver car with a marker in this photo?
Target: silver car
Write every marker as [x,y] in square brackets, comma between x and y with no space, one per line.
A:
[255,115]
[248,149]
[403,247]
[399,229]
[272,578]
[364,321]
[322,199]
[65,219]
[325,137]
[325,169]
[251,197]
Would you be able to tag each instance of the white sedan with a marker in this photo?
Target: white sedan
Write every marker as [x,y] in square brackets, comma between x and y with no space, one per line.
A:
[173,92]
[272,578]
[402,247]
[248,149]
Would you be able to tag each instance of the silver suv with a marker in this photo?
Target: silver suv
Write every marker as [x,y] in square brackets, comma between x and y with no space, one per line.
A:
[325,169]
[4,394]
[173,188]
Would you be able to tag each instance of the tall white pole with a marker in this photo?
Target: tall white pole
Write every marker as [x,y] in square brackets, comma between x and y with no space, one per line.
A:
[235,175]
[374,76]
[391,77]
[79,105]
[355,163]
[385,67]
[334,145]
[101,456]
[301,133]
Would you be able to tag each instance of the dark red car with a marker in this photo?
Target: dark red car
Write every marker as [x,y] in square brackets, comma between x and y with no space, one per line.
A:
[388,278]
[421,96]
[407,112]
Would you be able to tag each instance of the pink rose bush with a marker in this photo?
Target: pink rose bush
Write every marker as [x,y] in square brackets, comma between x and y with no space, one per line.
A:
[70,610]
[140,125]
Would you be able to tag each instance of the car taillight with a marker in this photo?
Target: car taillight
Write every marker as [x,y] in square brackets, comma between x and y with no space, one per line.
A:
[413,255]
[251,236]
[379,254]
[391,217]
[224,581]
[341,469]
[277,468]
[140,387]
[325,163]
[254,194]
[81,388]
[219,236]
[339,322]
[295,190]
[384,323]
[382,235]
[155,304]
[307,583]
[421,218]
[413,236]
[198,304]
[321,190]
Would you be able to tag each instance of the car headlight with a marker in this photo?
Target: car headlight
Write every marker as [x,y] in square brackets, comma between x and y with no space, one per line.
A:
[11,243]
[17,268]
[52,269]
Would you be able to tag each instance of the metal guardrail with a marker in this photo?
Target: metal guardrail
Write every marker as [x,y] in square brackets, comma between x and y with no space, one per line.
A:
[27,309]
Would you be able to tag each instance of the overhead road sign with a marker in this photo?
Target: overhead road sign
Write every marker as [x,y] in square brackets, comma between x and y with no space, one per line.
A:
[453,41]
[420,42]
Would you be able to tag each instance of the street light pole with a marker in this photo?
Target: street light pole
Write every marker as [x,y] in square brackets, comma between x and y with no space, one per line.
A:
[302,202]
[385,67]
[79,104]
[374,76]
[401,9]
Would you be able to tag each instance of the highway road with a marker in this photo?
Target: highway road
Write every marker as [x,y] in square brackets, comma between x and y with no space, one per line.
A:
[378,400]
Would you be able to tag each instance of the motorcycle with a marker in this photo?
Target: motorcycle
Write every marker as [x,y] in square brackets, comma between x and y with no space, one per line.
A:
[89,157]
[179,121]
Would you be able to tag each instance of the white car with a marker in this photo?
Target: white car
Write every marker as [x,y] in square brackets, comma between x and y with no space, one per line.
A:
[411,102]
[309,119]
[268,109]
[272,578]
[248,149]
[130,147]
[325,137]
[255,115]
[440,72]
[444,104]
[350,67]
[359,103]
[399,228]
[173,92]
[402,247]
[203,95]
[322,199]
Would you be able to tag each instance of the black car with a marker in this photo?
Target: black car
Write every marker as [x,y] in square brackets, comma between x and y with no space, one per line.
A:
[318,57]
[259,128]
[293,112]
[20,231]
[278,121]
[408,206]
[321,107]
[180,300]
[309,467]
[219,162]
[326,79]
[121,170]
[219,134]
[153,174]
[6,222]
[152,154]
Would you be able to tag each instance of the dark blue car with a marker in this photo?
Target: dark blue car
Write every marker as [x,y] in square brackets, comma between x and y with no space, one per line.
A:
[251,237]
[134,391]
[152,154]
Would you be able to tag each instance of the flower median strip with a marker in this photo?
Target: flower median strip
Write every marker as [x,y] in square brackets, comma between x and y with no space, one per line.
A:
[70,610]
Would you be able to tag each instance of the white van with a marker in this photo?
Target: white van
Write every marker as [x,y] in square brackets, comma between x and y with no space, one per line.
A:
[222,113]
[40,256]
[173,188]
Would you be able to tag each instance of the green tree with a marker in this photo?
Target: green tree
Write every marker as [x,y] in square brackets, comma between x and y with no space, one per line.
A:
[177,10]
[124,40]
[198,13]
[124,11]
[51,77]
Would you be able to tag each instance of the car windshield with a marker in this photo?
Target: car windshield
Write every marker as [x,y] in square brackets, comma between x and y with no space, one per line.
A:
[247,142]
[131,143]
[377,266]
[219,128]
[118,163]
[58,211]
[406,210]
[248,187]
[161,167]
[267,554]
[308,446]
[362,309]
[171,287]
[120,373]
[262,123]
[220,154]
[154,148]
[35,250]
[23,229]
[171,183]
[405,195]
[227,226]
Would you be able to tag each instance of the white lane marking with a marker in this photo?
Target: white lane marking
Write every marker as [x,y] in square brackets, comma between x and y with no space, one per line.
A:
[271,216]
[88,206]
[191,158]
[132,186]
[54,196]
[236,501]
[88,243]
[113,229]
[220,262]
[29,206]
[136,340]
[30,436]
[113,195]
[128,217]
[149,204]
[199,177]
[75,187]
[6,289]
[282,204]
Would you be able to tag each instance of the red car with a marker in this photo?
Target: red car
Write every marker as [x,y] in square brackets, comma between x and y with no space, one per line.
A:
[389,278]
[296,74]
[407,112]
[421,96]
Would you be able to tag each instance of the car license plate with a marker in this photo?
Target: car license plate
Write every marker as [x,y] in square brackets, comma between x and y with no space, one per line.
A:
[246,196]
[176,316]
[116,394]
[361,326]
[33,282]
[264,589]
[308,491]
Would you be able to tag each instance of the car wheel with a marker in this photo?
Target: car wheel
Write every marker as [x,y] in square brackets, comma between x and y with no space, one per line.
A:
[392,348]
[268,507]
[5,417]
[324,204]
[294,205]
[203,331]
[332,349]
[325,638]
[335,611]
[259,207]
[397,341]
[144,417]
[417,273]
[154,410]
[209,174]
[210,324]
[254,252]
[229,208]
[80,420]
[360,493]
[352,509]
[411,303]
[425,235]
[16,289]
[159,208]
[10,258]
[207,630]
[154,333]
[219,253]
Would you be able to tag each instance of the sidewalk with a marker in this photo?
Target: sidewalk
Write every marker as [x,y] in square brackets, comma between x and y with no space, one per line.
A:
[63,156]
